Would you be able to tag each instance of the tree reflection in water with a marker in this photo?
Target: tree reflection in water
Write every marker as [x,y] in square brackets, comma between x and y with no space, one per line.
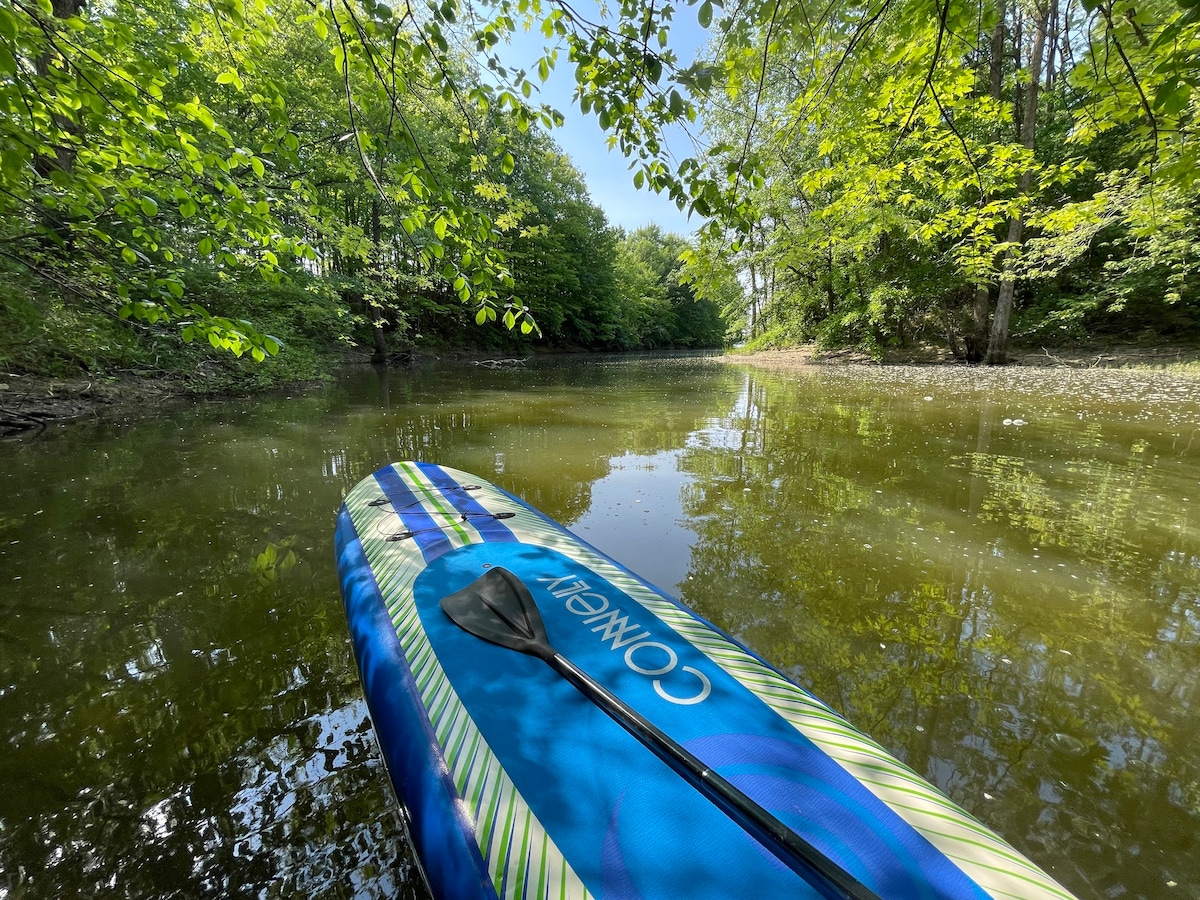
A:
[995,574]
[1013,610]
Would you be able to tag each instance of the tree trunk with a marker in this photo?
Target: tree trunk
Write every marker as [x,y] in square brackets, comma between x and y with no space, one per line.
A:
[996,54]
[381,352]
[976,340]
[997,353]
[981,310]
[753,303]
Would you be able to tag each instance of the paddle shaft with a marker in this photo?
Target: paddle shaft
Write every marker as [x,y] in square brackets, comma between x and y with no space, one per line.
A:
[791,849]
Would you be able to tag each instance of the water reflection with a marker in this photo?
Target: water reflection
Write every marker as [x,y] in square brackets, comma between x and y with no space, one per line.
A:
[988,599]
[997,575]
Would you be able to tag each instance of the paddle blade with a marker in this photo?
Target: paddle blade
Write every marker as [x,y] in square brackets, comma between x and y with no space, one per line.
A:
[498,608]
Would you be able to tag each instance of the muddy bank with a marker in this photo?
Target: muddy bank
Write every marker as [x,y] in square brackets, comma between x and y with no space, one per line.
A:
[29,403]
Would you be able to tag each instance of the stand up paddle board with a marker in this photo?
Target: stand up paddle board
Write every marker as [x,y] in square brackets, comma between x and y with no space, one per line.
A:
[555,727]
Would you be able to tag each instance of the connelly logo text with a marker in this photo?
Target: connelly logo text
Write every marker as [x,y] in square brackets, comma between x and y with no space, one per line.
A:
[641,653]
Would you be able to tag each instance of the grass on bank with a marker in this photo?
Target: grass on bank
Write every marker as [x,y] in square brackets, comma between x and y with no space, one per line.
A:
[46,332]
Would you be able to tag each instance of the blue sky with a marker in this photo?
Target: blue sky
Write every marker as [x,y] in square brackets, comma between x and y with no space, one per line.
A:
[609,180]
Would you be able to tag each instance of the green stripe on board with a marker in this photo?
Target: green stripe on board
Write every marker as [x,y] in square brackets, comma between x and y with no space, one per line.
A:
[541,883]
[505,848]
[457,737]
[522,878]
[1043,883]
[433,496]
[441,720]
[487,819]
[486,765]
[990,847]
[466,776]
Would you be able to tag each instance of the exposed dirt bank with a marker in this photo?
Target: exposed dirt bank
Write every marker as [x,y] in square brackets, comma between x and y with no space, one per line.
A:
[29,403]
[1114,357]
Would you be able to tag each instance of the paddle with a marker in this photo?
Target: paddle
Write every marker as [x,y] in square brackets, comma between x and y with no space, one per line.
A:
[498,608]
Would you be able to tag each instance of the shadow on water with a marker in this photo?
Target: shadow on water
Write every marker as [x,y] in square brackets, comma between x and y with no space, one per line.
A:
[996,576]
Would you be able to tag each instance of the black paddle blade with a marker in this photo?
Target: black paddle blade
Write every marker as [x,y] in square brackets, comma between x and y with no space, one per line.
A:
[499,608]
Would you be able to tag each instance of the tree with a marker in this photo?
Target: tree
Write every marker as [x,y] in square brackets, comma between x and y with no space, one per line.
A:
[854,151]
[107,153]
[564,255]
[660,306]
[884,144]
[139,139]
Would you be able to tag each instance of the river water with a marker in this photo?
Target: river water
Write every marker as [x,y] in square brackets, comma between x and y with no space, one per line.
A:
[996,574]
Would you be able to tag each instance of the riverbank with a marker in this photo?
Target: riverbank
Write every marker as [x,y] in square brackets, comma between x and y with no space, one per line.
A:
[30,403]
[1181,357]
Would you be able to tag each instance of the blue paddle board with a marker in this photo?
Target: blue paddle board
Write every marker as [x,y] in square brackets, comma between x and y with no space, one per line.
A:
[516,783]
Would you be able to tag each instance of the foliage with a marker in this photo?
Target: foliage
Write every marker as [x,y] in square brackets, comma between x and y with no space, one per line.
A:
[661,307]
[156,154]
[873,174]
[889,167]
[42,333]
[140,141]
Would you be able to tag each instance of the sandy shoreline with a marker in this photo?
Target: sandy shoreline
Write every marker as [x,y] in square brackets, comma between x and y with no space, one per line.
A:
[1116,357]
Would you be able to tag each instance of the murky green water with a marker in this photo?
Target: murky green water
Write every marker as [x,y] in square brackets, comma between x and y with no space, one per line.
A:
[996,574]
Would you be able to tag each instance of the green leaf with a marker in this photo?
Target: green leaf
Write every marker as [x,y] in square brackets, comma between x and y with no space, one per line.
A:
[1172,96]
[8,24]
[128,255]
[149,206]
[704,14]
[508,164]
[481,316]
